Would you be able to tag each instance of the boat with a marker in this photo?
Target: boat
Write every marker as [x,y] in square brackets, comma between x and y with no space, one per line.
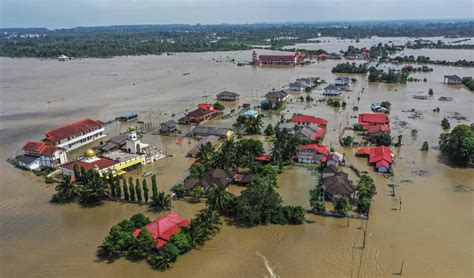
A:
[147,174]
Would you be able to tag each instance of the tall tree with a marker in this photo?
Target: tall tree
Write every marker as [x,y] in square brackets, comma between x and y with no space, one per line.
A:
[131,189]
[138,190]
[145,190]
[154,187]
[118,191]
[126,194]
[111,181]
[219,199]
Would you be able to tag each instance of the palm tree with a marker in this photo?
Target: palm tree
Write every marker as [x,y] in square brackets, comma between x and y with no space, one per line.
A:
[219,199]
[225,158]
[205,154]
[94,191]
[161,202]
[160,262]
[66,190]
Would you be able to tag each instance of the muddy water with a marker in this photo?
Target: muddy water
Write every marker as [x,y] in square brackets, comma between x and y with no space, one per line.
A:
[432,232]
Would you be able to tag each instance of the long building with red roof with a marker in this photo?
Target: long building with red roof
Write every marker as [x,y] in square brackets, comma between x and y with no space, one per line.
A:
[76,134]
[163,228]
[204,112]
[372,119]
[312,154]
[380,156]
[300,119]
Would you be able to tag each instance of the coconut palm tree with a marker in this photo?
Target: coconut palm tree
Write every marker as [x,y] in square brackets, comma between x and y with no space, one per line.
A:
[219,199]
[66,190]
[94,191]
[205,154]
[161,202]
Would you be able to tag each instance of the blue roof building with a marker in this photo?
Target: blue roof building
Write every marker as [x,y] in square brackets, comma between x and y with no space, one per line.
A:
[250,113]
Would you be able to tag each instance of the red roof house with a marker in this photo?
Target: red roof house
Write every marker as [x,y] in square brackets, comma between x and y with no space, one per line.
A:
[381,156]
[306,120]
[378,129]
[39,148]
[54,136]
[100,163]
[264,158]
[204,112]
[164,227]
[321,149]
[367,119]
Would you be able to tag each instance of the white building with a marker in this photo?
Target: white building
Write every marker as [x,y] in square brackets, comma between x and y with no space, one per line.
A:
[63,58]
[75,135]
[332,90]
[36,155]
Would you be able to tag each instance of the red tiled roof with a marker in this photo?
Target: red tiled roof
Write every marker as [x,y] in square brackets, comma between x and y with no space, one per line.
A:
[265,157]
[383,128]
[308,119]
[238,177]
[206,106]
[73,129]
[39,148]
[101,163]
[382,163]
[377,155]
[371,118]
[318,134]
[164,227]
[318,148]
[380,153]
[290,58]
[200,112]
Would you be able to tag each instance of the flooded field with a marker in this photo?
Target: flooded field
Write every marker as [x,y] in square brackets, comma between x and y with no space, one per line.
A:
[432,233]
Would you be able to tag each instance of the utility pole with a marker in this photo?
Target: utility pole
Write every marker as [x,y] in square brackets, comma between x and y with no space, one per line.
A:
[401,268]
[365,236]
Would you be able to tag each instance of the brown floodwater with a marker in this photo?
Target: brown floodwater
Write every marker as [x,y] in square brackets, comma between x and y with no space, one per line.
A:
[432,233]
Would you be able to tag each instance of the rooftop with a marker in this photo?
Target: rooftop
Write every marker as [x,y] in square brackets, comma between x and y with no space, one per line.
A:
[39,148]
[298,118]
[73,129]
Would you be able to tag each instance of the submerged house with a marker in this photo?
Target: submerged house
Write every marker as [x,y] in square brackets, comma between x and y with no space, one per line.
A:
[336,186]
[335,159]
[312,154]
[306,120]
[289,128]
[36,155]
[452,79]
[204,112]
[88,162]
[211,179]
[115,143]
[75,135]
[168,126]
[381,157]
[227,96]
[342,81]
[205,131]
[288,60]
[371,119]
[163,228]
[297,86]
[209,139]
[277,96]
[311,132]
[332,90]
[250,113]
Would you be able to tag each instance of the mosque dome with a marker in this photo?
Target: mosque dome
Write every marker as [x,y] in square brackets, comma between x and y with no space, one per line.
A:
[89,153]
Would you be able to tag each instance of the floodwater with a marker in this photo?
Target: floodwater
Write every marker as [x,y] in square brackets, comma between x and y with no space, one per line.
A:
[432,233]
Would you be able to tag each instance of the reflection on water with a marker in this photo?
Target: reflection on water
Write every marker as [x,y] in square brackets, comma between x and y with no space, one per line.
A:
[431,232]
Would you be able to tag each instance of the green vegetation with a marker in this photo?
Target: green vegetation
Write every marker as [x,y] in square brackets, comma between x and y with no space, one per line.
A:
[157,39]
[179,190]
[365,192]
[382,139]
[347,141]
[425,147]
[269,131]
[350,68]
[376,75]
[386,104]
[251,125]
[285,147]
[445,124]
[160,202]
[459,145]
[468,82]
[120,242]
[427,60]
[342,206]
[218,106]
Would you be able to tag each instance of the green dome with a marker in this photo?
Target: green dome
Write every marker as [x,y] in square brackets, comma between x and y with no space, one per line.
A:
[131,128]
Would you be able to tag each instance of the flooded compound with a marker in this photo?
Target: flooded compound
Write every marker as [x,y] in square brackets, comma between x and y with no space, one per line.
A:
[428,224]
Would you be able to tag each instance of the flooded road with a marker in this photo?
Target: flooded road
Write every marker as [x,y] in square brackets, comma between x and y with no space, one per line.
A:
[432,233]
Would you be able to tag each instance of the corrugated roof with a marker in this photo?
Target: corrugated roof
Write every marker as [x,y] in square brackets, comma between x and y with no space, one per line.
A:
[73,129]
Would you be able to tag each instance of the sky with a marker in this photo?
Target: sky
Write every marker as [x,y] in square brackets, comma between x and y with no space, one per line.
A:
[72,13]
